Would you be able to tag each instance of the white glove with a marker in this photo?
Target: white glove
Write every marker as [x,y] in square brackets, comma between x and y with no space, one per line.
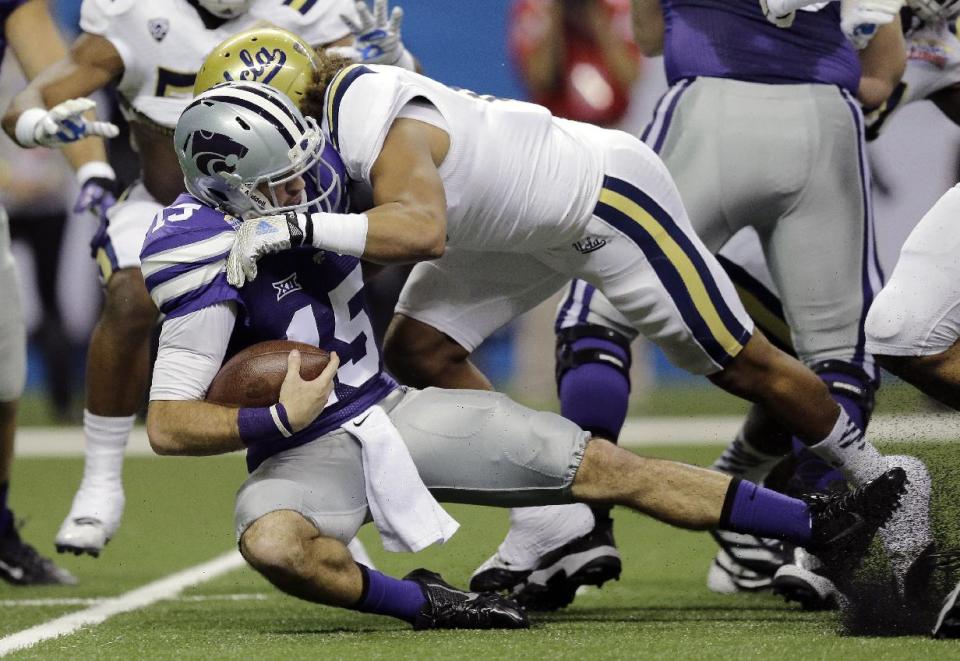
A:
[258,237]
[859,19]
[376,39]
[61,124]
[779,16]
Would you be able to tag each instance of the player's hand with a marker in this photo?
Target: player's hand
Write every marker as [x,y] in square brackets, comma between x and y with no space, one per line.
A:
[304,400]
[98,185]
[859,19]
[376,38]
[62,124]
[261,236]
[779,17]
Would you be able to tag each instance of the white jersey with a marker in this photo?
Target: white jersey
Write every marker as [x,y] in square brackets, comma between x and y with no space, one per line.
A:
[163,43]
[515,177]
[933,64]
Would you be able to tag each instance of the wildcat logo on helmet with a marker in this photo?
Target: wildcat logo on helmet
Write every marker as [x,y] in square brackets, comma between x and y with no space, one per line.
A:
[214,153]
[262,65]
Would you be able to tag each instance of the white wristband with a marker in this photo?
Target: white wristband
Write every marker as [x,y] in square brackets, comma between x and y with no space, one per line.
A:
[343,233]
[95,169]
[26,130]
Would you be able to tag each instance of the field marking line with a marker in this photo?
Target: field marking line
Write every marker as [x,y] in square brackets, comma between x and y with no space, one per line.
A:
[637,432]
[165,588]
[90,601]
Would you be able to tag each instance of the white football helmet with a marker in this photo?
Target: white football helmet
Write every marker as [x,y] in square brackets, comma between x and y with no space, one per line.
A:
[226,8]
[931,11]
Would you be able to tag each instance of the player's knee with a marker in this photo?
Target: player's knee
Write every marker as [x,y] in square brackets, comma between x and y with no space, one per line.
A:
[274,544]
[418,354]
[128,306]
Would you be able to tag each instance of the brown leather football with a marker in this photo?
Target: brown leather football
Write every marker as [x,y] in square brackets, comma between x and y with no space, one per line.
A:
[253,377]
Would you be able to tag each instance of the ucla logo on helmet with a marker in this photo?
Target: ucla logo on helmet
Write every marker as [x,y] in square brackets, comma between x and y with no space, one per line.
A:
[261,66]
[214,153]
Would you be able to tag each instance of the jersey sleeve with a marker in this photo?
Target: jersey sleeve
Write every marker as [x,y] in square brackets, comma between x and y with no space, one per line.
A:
[108,19]
[184,264]
[317,22]
[361,104]
[192,349]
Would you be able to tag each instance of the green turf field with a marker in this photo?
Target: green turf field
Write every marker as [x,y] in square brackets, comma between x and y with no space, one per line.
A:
[179,515]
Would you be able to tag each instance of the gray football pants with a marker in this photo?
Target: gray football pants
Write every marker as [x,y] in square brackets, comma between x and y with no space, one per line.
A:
[469,446]
[789,161]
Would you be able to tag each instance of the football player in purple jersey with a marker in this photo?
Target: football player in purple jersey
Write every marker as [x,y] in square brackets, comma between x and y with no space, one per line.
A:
[246,150]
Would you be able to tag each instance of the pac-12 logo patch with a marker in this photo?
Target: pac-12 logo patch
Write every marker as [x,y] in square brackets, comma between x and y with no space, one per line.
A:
[287,286]
[159,27]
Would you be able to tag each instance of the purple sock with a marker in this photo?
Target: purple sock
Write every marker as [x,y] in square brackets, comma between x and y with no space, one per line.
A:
[385,595]
[595,395]
[812,471]
[6,516]
[751,509]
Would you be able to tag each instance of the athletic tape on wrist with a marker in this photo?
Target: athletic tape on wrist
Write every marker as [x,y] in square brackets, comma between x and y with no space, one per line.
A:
[93,169]
[26,129]
[266,423]
[342,233]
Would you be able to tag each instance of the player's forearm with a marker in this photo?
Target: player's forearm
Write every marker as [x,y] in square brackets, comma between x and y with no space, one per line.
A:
[882,62]
[391,233]
[192,428]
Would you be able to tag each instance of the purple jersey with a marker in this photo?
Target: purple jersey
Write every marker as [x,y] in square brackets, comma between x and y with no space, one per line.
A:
[732,39]
[7,7]
[304,295]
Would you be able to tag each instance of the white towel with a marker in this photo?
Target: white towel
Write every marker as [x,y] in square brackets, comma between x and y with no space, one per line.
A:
[407,515]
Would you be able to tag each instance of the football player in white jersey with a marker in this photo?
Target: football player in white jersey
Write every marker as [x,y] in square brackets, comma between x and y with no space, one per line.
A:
[152,51]
[498,203]
[36,44]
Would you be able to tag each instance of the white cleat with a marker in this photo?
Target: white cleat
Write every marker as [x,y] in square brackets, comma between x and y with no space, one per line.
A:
[907,537]
[744,563]
[805,582]
[93,520]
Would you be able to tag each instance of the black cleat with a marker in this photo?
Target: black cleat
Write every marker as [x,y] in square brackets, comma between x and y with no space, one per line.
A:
[806,581]
[844,524]
[450,608]
[496,575]
[20,564]
[744,563]
[589,560]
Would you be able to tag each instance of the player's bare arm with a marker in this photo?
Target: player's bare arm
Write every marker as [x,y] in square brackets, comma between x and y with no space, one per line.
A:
[407,224]
[883,62]
[91,63]
[198,428]
[27,26]
[648,26]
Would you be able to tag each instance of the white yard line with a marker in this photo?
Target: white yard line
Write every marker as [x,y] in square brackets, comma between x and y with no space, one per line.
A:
[89,601]
[165,588]
[638,432]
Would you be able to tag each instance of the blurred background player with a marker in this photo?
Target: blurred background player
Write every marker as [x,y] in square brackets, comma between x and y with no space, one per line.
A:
[721,132]
[35,42]
[152,51]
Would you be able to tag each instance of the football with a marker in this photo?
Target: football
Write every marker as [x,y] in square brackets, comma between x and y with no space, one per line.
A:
[253,377]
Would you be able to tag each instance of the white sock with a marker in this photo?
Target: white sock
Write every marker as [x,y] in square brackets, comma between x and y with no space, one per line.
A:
[742,459]
[846,449]
[535,531]
[105,444]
